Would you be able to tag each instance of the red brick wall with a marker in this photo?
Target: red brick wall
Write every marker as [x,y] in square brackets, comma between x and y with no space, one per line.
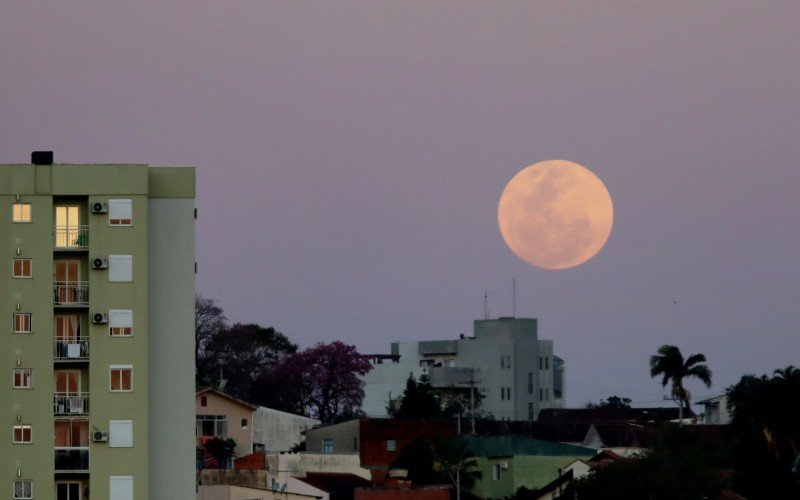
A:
[254,461]
[375,433]
[429,493]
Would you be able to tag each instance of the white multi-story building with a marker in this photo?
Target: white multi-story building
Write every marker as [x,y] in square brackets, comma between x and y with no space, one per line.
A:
[516,374]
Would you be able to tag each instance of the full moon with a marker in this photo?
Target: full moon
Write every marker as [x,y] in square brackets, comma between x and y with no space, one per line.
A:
[555,214]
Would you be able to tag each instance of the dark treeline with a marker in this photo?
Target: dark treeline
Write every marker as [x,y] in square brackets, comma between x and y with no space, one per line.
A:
[261,365]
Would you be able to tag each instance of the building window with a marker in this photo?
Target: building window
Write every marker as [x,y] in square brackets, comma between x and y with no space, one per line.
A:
[541,363]
[21,212]
[22,322]
[23,378]
[120,322]
[496,472]
[22,434]
[68,490]
[530,412]
[120,433]
[547,394]
[212,425]
[203,401]
[121,378]
[530,382]
[391,445]
[23,489]
[541,394]
[120,268]
[508,393]
[22,268]
[120,487]
[327,446]
[546,363]
[120,212]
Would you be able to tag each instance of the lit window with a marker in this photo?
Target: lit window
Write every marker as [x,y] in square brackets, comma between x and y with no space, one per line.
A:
[22,323]
[21,212]
[120,268]
[120,322]
[327,446]
[23,489]
[22,378]
[391,445]
[121,378]
[120,212]
[22,268]
[22,434]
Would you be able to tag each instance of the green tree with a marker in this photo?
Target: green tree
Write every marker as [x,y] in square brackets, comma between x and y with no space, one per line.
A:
[418,400]
[669,363]
[766,427]
[611,402]
[683,465]
[454,461]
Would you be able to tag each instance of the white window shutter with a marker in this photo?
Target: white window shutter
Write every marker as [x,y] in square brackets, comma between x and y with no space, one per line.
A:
[120,268]
[120,487]
[120,434]
[120,318]
[120,209]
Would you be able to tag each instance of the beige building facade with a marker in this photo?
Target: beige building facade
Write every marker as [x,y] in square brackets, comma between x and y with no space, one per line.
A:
[98,294]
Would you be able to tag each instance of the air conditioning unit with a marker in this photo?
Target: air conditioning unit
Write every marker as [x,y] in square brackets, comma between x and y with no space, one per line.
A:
[99,263]
[99,318]
[504,465]
[99,436]
[99,207]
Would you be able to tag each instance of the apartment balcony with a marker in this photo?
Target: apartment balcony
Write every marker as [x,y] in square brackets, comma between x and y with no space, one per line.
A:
[72,459]
[71,293]
[71,237]
[66,404]
[73,349]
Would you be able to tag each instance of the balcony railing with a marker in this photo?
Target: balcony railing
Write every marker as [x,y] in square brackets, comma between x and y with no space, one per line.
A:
[72,459]
[70,403]
[71,237]
[71,293]
[76,348]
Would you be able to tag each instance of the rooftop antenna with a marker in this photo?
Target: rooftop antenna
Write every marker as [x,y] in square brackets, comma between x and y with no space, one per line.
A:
[486,304]
[514,297]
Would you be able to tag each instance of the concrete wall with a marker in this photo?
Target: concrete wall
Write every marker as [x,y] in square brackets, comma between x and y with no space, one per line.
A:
[278,430]
[502,353]
[345,435]
[218,405]
[230,492]
[533,472]
[171,302]
[299,464]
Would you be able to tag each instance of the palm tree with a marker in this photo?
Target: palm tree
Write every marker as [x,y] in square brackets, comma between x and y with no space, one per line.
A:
[670,364]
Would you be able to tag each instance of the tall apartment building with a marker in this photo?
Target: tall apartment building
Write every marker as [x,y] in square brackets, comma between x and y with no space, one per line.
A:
[516,374]
[98,298]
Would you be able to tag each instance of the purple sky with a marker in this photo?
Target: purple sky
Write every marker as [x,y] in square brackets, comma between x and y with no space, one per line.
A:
[351,155]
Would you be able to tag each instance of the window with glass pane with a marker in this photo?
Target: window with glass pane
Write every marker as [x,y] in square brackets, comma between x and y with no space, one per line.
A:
[22,322]
[22,434]
[68,229]
[68,491]
[23,489]
[121,378]
[120,322]
[327,446]
[21,212]
[22,378]
[22,268]
[120,212]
